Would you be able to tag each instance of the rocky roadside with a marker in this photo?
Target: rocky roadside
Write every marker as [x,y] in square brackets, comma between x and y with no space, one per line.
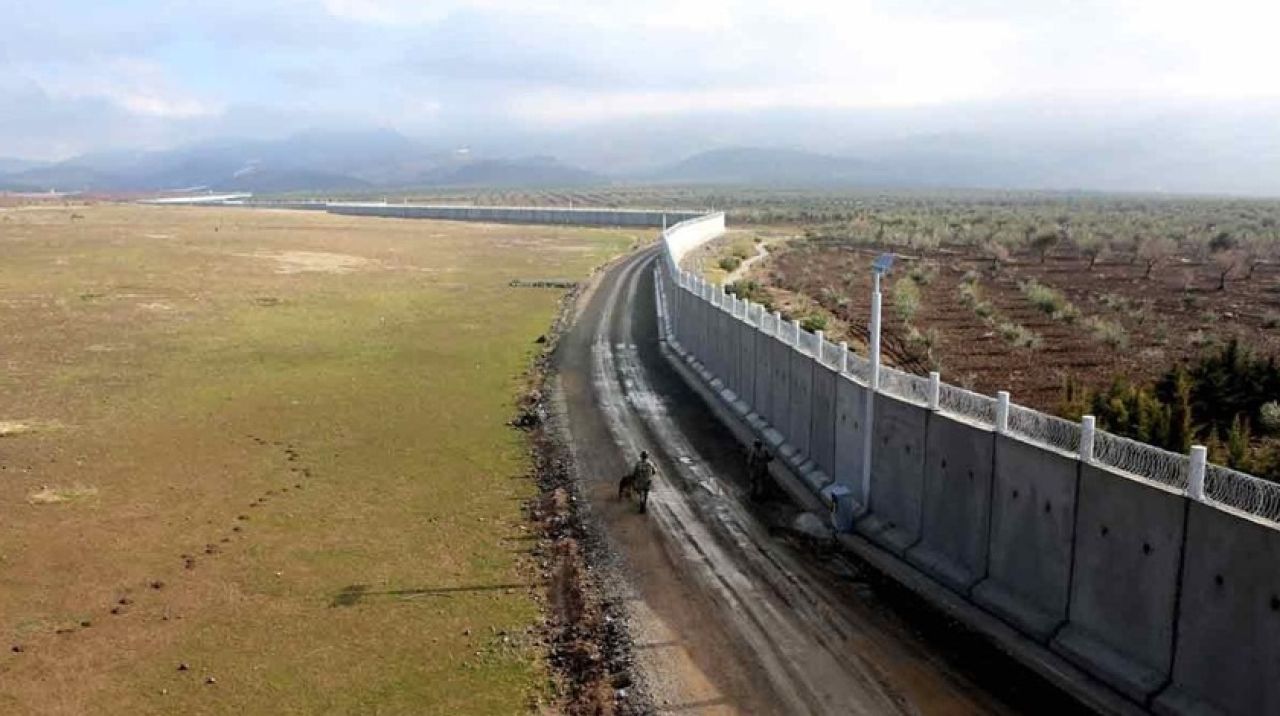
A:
[588,641]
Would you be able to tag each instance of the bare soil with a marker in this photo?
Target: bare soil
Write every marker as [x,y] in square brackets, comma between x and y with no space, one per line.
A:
[1169,317]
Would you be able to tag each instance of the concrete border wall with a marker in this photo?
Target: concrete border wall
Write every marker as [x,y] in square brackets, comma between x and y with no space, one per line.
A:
[850,434]
[1032,537]
[800,397]
[822,438]
[959,462]
[1227,653]
[898,439]
[1124,587]
[1119,588]
[517,214]
[780,382]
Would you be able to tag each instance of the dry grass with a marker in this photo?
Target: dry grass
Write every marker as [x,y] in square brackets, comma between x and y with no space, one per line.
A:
[288,262]
[52,495]
[14,427]
[306,489]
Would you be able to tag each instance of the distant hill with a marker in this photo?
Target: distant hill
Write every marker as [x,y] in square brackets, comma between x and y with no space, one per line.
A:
[58,177]
[11,166]
[768,167]
[534,171]
[277,181]
[309,161]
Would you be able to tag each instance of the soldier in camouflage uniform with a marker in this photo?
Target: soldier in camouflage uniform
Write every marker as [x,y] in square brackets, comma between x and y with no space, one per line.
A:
[758,459]
[639,480]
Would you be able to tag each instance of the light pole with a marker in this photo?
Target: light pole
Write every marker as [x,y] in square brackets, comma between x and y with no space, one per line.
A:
[879,267]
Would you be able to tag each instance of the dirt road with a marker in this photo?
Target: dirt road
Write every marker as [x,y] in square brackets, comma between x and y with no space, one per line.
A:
[731,612]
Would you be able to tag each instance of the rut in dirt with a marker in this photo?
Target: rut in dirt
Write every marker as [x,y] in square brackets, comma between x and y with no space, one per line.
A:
[821,643]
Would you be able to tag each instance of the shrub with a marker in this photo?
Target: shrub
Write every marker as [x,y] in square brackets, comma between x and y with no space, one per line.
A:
[906,299]
[1050,301]
[1201,340]
[1018,335]
[1161,333]
[970,292]
[1271,320]
[922,344]
[921,274]
[730,263]
[814,322]
[1269,417]
[751,291]
[1238,445]
[1108,332]
[1042,296]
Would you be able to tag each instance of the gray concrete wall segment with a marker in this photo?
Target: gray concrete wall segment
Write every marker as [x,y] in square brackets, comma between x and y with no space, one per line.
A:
[1227,656]
[1128,552]
[697,328]
[721,347]
[780,382]
[728,356]
[1032,531]
[733,359]
[747,361]
[764,376]
[731,347]
[725,347]
[704,328]
[959,463]
[712,354]
[800,414]
[822,439]
[522,215]
[693,301]
[897,474]
[850,441]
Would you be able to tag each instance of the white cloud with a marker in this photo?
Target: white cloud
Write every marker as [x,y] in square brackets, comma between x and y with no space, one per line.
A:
[463,64]
[137,86]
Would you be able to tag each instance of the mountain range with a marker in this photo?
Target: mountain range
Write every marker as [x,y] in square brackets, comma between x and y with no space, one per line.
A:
[371,161]
[384,160]
[310,161]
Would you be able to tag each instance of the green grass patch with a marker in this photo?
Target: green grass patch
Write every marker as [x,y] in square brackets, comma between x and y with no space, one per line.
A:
[392,576]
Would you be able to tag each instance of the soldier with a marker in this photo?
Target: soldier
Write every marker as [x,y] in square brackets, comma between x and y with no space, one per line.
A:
[639,480]
[758,460]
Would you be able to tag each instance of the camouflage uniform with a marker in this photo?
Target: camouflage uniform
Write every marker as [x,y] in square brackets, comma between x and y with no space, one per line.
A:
[642,479]
[758,460]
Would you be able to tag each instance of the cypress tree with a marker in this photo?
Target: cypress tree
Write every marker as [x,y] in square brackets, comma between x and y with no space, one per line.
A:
[1180,430]
[1238,445]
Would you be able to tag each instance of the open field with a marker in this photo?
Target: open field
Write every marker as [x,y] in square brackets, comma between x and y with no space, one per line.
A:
[271,447]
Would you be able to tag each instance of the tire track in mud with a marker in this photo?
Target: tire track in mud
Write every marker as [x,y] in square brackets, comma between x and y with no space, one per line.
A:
[772,608]
[730,612]
[767,600]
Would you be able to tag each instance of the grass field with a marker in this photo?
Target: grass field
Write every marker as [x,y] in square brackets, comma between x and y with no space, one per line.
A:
[270,447]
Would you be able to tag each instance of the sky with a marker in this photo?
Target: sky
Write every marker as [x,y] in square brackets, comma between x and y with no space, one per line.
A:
[85,75]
